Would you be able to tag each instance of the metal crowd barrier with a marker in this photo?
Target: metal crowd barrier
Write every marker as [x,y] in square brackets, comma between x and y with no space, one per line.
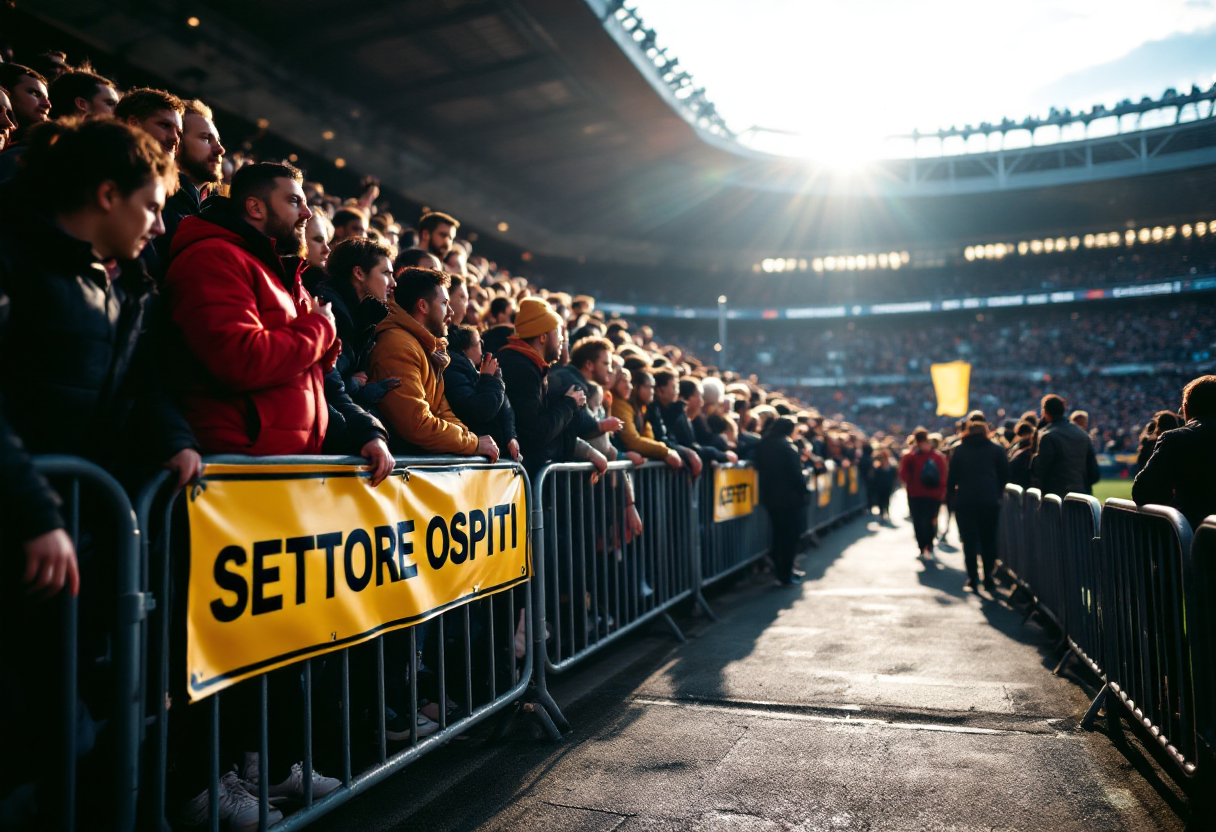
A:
[466,658]
[733,544]
[105,618]
[1129,587]
[1081,564]
[600,581]
[1150,624]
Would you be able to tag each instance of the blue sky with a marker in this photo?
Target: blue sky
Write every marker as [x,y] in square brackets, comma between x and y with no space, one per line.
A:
[845,73]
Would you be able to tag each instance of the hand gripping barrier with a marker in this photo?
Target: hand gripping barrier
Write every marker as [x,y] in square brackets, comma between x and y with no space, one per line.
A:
[88,720]
[733,544]
[1154,636]
[1081,579]
[470,662]
[600,579]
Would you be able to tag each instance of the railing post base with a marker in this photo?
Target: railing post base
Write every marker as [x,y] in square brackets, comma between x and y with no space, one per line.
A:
[675,628]
[703,605]
[1088,722]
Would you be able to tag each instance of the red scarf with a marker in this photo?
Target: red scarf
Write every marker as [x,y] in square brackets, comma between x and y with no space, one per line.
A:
[524,348]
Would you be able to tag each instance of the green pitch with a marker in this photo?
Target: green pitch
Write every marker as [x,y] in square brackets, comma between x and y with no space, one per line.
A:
[1113,488]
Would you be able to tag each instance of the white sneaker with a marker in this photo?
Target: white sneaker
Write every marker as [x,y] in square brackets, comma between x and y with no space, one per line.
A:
[397,726]
[237,807]
[291,789]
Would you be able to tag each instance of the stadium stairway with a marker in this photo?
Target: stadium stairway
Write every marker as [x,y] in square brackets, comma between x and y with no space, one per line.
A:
[876,696]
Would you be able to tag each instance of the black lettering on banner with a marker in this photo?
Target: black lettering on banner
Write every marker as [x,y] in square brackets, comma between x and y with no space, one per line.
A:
[460,537]
[514,539]
[329,541]
[501,513]
[437,556]
[358,537]
[490,529]
[477,530]
[733,494]
[405,548]
[300,546]
[232,582]
[263,575]
[386,547]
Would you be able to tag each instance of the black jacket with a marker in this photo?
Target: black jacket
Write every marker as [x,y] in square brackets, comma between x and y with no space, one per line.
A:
[978,472]
[479,401]
[779,469]
[540,425]
[75,367]
[705,436]
[561,379]
[185,202]
[350,426]
[1179,473]
[679,428]
[356,323]
[1019,463]
[1065,460]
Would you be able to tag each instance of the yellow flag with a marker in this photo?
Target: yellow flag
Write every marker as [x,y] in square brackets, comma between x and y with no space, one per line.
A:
[952,382]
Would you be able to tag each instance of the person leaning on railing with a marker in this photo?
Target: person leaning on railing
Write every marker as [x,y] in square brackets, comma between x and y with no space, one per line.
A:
[76,377]
[1180,471]
[411,346]
[637,435]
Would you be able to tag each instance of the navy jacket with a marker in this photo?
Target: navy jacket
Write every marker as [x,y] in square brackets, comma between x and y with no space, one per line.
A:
[479,401]
[1179,473]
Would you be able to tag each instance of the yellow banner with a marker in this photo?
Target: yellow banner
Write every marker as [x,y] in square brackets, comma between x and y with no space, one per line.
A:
[734,493]
[823,483]
[289,562]
[952,383]
[853,480]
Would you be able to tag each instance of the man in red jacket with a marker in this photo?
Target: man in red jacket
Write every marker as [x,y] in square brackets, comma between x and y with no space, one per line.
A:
[258,348]
[923,472]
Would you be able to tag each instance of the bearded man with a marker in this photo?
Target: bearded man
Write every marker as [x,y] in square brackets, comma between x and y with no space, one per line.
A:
[257,344]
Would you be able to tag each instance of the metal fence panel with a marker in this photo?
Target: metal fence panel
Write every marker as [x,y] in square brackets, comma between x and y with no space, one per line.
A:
[1148,660]
[1082,562]
[733,544]
[470,663]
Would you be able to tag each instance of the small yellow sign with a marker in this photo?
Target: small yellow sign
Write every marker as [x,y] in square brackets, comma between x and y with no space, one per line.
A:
[734,493]
[853,480]
[289,562]
[823,484]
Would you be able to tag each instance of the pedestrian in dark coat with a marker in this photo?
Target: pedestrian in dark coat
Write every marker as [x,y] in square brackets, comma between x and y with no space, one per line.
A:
[783,494]
[979,470]
[1065,460]
[1180,471]
[1020,454]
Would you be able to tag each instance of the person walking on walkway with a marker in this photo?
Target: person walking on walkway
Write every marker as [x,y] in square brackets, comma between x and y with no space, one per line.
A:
[923,472]
[979,470]
[783,493]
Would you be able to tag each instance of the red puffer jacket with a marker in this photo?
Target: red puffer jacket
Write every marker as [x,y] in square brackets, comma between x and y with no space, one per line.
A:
[909,472]
[254,382]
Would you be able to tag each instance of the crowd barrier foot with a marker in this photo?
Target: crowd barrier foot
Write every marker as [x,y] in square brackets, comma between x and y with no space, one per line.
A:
[1030,611]
[1088,721]
[703,605]
[675,628]
[1063,661]
[553,715]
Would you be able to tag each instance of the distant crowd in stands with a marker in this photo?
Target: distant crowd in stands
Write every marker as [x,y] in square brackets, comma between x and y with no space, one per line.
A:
[1083,268]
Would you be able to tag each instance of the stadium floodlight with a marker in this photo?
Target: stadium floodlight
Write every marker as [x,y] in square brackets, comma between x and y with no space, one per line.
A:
[1074,242]
[1036,246]
[883,261]
[1113,238]
[721,298]
[1186,230]
[871,261]
[1130,236]
[1146,234]
[1061,243]
[802,265]
[1201,228]
[904,257]
[1023,247]
[1049,245]
[1170,231]
[895,260]
[1089,240]
[990,251]
[1001,250]
[969,252]
[1158,234]
[829,263]
[817,265]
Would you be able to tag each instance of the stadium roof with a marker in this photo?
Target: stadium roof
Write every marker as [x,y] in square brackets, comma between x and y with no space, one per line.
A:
[539,115]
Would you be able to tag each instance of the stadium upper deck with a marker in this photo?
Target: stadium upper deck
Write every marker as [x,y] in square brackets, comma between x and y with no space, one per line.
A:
[537,117]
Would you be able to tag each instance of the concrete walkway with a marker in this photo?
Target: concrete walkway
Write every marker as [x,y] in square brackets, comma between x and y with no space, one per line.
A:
[877,696]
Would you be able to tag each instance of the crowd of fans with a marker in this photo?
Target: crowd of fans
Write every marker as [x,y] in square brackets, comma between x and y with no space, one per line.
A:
[160,302]
[190,306]
[1082,268]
